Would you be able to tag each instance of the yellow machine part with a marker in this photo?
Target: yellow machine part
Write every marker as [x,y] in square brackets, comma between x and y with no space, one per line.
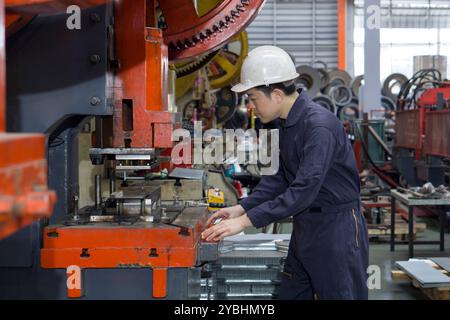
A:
[224,68]
[226,65]
[204,6]
[216,199]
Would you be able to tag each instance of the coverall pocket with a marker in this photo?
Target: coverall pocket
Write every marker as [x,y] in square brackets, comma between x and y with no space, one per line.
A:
[355,219]
[287,272]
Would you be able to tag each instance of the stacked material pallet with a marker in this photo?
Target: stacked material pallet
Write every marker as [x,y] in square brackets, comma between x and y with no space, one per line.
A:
[249,267]
[382,231]
[431,276]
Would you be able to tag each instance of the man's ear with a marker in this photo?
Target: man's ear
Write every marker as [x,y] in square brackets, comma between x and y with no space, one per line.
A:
[277,95]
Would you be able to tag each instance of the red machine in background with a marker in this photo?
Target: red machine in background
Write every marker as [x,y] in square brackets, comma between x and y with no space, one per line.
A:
[422,136]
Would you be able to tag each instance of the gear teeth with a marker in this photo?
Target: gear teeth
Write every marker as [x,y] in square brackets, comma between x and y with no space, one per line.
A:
[215,29]
[235,13]
[240,8]
[179,46]
[202,37]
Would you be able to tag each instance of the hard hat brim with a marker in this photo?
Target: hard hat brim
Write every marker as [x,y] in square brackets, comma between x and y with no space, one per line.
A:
[241,87]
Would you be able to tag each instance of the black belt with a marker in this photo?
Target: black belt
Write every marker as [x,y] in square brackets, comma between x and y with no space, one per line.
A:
[336,207]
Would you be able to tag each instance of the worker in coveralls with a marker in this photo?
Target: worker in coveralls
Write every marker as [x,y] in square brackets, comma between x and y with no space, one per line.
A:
[317,183]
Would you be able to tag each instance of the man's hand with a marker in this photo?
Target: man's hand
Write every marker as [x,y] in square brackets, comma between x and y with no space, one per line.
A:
[226,213]
[226,228]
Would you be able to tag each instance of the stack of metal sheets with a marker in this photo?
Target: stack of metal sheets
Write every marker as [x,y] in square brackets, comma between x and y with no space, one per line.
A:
[248,267]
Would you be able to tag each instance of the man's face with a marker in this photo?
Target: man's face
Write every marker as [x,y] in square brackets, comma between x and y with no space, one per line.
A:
[266,109]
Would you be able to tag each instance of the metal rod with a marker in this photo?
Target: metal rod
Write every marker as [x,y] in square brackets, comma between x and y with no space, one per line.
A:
[112,181]
[98,191]
[365,126]
[380,141]
[442,218]
[75,208]
[411,231]
[392,223]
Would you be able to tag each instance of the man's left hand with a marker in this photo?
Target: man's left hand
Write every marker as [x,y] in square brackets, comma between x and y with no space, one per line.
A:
[226,228]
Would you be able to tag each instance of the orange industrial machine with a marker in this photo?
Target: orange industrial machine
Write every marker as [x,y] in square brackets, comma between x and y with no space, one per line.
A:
[422,128]
[24,197]
[113,65]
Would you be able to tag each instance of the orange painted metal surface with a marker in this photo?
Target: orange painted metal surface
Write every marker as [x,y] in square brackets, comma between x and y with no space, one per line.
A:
[142,245]
[24,197]
[2,68]
[15,22]
[342,38]
[189,35]
[113,246]
[143,76]
[159,282]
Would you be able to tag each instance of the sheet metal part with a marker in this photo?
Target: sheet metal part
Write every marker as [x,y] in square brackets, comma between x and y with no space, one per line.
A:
[356,84]
[248,267]
[444,263]
[185,173]
[338,77]
[137,200]
[392,81]
[322,68]
[350,111]
[309,79]
[325,102]
[98,155]
[341,95]
[424,273]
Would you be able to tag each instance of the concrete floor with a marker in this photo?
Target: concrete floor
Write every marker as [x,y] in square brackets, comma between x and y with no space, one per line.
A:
[381,255]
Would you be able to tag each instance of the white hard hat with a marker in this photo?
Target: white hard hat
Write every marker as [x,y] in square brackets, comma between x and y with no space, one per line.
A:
[265,65]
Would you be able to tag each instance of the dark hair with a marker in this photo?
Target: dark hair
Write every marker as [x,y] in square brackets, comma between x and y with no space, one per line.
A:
[287,87]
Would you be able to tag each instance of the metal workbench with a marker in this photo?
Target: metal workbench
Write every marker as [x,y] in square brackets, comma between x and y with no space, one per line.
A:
[410,201]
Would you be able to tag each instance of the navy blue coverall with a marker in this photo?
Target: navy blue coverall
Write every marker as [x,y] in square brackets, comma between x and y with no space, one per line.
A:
[318,184]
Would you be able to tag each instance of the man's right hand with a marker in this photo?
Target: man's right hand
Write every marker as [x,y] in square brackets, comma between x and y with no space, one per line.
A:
[226,213]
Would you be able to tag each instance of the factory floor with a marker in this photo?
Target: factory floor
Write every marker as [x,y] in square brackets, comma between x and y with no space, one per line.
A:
[380,254]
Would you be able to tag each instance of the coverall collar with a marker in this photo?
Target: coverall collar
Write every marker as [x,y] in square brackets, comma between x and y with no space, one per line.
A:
[297,111]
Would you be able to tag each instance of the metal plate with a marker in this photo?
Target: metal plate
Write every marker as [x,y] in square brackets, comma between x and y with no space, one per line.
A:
[444,263]
[56,78]
[424,273]
[122,151]
[184,173]
[135,192]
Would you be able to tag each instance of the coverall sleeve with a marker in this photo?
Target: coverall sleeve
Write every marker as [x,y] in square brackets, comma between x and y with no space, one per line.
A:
[268,188]
[318,156]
